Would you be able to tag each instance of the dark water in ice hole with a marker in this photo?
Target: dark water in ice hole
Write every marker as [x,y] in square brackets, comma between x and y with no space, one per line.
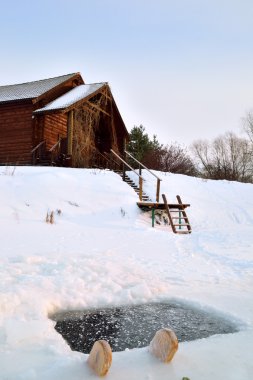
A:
[135,326]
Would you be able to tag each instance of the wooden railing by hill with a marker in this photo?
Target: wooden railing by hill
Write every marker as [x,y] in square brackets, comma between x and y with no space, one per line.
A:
[125,165]
[141,166]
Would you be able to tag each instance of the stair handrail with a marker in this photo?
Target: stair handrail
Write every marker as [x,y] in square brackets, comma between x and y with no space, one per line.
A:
[105,160]
[36,151]
[125,164]
[53,152]
[55,145]
[37,146]
[141,165]
[109,159]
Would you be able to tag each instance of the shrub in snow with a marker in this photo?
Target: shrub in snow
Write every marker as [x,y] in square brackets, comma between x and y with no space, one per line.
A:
[50,217]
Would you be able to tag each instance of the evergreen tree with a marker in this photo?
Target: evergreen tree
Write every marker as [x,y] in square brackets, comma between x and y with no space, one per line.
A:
[139,143]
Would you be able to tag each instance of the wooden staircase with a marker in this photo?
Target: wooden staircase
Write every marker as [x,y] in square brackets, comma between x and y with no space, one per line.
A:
[177,216]
[130,182]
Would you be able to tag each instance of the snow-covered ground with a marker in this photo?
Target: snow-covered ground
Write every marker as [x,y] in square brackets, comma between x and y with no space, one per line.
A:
[101,251]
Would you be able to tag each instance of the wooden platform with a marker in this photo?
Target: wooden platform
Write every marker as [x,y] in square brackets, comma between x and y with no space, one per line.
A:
[178,219]
[161,206]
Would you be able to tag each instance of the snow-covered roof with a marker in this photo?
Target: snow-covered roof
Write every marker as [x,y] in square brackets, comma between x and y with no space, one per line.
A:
[71,97]
[31,90]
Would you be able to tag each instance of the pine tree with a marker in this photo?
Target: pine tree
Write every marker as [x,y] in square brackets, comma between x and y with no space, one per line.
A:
[139,143]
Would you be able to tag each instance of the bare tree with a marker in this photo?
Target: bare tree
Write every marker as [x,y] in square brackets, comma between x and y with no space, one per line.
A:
[226,157]
[177,160]
[170,158]
[248,125]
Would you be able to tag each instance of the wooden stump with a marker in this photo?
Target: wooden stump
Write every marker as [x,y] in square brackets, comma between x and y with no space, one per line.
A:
[164,345]
[100,357]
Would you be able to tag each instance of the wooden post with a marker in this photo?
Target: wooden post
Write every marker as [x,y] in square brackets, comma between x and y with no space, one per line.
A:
[158,190]
[124,172]
[70,132]
[184,214]
[110,161]
[140,169]
[168,212]
[153,217]
[140,188]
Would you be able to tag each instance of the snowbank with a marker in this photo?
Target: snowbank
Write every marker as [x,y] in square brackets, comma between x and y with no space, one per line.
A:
[101,251]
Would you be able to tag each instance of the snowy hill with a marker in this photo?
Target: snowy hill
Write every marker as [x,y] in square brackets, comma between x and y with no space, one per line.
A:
[102,251]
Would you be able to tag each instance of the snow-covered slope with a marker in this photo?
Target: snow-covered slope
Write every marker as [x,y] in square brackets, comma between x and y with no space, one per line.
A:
[102,251]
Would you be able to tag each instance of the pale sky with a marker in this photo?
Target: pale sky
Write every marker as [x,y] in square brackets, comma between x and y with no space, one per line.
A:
[181,68]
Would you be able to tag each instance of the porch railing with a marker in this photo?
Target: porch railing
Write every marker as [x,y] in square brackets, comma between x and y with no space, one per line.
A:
[55,151]
[38,151]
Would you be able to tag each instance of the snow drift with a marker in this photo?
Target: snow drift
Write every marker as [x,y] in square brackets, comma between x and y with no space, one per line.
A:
[102,251]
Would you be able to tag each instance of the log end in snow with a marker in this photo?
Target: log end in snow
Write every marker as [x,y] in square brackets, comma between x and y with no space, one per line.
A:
[164,345]
[100,357]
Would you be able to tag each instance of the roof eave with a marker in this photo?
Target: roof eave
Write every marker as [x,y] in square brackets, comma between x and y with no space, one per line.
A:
[75,76]
[47,112]
[23,100]
[72,106]
[119,114]
[85,99]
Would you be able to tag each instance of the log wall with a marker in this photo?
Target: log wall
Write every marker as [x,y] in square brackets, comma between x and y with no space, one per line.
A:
[16,125]
[55,126]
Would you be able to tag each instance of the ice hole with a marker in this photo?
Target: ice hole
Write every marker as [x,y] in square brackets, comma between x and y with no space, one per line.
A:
[127,327]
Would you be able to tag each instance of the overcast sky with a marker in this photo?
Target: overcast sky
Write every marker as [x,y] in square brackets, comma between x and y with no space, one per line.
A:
[183,69]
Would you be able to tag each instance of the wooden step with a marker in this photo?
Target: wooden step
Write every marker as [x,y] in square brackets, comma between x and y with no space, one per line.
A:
[131,183]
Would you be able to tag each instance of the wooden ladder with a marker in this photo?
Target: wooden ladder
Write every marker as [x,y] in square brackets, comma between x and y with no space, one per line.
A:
[177,217]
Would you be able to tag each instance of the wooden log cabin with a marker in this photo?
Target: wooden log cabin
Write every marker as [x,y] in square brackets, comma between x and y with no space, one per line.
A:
[59,121]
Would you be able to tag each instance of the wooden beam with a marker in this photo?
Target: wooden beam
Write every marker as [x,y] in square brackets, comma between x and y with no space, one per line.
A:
[104,93]
[88,109]
[161,206]
[98,108]
[113,129]
[168,212]
[184,214]
[158,182]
